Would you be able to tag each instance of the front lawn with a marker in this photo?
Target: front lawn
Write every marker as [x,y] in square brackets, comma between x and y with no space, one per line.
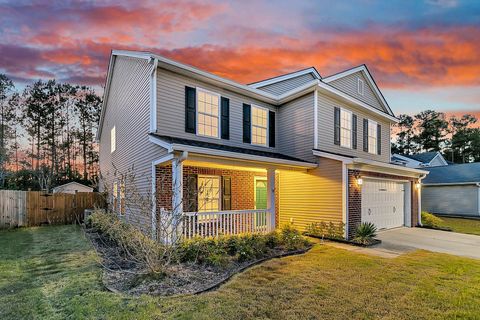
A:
[53,273]
[462,225]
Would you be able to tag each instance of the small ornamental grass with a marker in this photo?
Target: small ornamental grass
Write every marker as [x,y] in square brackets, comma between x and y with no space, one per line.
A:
[131,242]
[365,233]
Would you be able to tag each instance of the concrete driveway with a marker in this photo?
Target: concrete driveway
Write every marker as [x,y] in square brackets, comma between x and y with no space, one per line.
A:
[407,239]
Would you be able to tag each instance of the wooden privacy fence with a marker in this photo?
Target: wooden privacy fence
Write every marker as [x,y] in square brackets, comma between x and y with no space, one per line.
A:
[35,208]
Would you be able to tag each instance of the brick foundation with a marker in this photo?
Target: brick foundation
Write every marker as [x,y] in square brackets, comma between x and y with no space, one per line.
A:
[243,189]
[355,197]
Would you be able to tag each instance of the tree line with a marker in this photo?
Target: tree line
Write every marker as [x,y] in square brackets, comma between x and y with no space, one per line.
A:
[457,138]
[47,134]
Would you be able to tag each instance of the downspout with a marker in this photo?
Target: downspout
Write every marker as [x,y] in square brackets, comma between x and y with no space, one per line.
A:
[153,95]
[420,199]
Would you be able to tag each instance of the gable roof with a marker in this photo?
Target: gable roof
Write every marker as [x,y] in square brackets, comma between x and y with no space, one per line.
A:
[467,173]
[287,76]
[362,68]
[426,157]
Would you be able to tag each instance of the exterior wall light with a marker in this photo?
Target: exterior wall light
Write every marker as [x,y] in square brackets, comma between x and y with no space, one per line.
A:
[359,181]
[418,185]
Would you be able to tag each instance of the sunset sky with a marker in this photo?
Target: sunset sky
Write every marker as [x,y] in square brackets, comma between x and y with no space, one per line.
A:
[423,54]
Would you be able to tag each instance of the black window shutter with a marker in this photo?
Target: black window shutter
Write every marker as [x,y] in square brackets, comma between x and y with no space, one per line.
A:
[354,131]
[379,139]
[226,193]
[190,195]
[336,123]
[271,129]
[365,135]
[190,110]
[225,118]
[247,130]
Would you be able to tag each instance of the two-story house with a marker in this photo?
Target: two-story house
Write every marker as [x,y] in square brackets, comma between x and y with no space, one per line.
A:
[230,158]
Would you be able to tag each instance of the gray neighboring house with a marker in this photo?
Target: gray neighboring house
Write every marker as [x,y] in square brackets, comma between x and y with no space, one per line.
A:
[420,160]
[452,190]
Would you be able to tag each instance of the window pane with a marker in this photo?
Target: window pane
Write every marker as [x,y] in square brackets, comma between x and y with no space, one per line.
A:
[259,126]
[208,114]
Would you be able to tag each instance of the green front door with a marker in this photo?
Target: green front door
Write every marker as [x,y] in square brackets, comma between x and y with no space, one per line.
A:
[261,201]
[260,194]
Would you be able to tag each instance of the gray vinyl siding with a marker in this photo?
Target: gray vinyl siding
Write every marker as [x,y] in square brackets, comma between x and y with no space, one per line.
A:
[295,131]
[326,106]
[348,85]
[281,87]
[128,109]
[171,110]
[454,200]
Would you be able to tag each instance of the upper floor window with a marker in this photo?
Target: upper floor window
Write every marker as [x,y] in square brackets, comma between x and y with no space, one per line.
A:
[113,140]
[372,137]
[345,128]
[259,125]
[360,86]
[208,113]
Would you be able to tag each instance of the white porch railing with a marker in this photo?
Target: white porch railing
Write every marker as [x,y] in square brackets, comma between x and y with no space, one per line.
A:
[232,222]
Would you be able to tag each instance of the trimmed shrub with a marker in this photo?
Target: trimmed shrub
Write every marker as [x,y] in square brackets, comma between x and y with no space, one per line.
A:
[429,220]
[292,239]
[365,233]
[328,231]
[218,252]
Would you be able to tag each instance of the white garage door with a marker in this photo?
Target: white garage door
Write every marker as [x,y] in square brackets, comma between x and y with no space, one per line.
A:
[383,203]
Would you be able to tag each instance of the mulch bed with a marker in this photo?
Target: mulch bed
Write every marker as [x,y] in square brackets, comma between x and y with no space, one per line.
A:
[123,276]
[372,242]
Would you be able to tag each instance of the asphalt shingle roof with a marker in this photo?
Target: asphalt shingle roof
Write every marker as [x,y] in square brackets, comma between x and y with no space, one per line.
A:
[216,146]
[424,157]
[455,173]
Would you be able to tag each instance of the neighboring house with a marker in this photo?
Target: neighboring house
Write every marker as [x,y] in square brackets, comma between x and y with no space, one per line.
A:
[294,149]
[72,187]
[420,160]
[453,190]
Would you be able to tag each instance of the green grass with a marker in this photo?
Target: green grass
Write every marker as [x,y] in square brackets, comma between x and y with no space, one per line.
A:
[462,225]
[53,273]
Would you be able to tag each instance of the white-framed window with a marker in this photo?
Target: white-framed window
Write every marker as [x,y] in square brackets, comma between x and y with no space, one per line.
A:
[345,128]
[259,125]
[372,137]
[208,193]
[208,113]
[113,140]
[360,86]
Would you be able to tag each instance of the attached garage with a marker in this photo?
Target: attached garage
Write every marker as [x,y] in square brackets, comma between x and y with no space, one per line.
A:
[385,203]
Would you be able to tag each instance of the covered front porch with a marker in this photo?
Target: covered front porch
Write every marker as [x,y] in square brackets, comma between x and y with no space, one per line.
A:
[197,195]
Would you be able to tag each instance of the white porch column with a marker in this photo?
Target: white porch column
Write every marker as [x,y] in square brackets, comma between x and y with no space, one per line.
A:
[271,195]
[177,197]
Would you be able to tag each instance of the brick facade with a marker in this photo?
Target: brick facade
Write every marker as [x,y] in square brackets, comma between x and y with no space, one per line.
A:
[243,189]
[355,197]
